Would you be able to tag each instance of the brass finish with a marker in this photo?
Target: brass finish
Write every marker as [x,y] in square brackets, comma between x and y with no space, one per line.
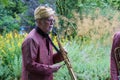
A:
[67,61]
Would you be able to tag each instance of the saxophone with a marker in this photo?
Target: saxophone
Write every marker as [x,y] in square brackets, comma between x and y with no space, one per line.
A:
[66,60]
[117,59]
[64,55]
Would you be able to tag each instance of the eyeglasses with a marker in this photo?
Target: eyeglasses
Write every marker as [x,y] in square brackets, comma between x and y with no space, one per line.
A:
[49,20]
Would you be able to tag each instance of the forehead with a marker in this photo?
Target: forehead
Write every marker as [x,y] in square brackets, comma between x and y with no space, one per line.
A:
[51,17]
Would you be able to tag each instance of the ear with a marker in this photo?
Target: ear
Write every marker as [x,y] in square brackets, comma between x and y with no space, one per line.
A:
[42,22]
[38,22]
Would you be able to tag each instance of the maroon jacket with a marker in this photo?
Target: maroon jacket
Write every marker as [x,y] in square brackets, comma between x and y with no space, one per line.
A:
[35,58]
[113,66]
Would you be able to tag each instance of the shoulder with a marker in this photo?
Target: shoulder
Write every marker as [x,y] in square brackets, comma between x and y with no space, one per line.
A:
[32,37]
[117,35]
[116,38]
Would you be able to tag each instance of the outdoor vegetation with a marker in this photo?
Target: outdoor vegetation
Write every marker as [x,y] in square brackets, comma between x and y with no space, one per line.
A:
[85,27]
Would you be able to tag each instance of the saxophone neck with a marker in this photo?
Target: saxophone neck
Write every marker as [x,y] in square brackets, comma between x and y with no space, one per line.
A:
[59,44]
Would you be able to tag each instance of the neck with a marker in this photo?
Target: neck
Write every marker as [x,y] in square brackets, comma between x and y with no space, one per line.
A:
[41,32]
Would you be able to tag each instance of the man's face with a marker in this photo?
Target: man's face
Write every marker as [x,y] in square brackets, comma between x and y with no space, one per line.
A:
[47,24]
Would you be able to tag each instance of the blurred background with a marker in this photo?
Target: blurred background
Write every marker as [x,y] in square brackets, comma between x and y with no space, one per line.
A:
[85,27]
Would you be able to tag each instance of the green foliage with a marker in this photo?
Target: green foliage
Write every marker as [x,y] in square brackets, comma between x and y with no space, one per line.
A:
[10,56]
[4,2]
[85,9]
[64,8]
[12,7]
[8,23]
[8,11]
[89,59]
[4,71]
[41,1]
[115,3]
[17,63]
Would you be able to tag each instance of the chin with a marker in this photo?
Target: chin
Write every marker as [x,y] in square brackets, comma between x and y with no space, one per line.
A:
[50,30]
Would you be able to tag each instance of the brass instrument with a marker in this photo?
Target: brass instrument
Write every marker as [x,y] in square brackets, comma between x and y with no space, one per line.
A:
[117,59]
[66,60]
[64,55]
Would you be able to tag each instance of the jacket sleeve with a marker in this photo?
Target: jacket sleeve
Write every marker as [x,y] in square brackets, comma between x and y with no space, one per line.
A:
[113,65]
[29,53]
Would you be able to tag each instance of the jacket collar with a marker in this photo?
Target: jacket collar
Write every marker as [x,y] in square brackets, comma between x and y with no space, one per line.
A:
[41,32]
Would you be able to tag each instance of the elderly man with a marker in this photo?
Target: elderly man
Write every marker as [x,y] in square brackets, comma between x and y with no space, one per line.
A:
[38,60]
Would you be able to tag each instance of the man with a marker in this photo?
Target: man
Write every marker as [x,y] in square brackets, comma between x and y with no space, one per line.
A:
[113,63]
[38,60]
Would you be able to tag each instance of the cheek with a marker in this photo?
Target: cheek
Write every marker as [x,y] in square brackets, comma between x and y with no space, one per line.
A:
[46,23]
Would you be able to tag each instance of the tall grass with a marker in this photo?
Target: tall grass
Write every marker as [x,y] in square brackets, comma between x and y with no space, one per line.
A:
[89,53]
[95,24]
[90,61]
[100,26]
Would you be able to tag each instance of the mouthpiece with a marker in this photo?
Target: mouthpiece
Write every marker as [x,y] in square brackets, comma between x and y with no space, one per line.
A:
[54,31]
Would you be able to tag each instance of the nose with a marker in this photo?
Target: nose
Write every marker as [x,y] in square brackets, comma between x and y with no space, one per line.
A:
[52,22]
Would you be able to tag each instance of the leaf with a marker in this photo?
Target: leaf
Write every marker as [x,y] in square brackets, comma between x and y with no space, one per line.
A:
[4,2]
[41,1]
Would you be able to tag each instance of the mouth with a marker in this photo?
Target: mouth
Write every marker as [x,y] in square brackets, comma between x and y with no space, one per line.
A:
[50,28]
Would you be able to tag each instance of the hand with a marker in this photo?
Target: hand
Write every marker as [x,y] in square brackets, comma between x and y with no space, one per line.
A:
[55,67]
